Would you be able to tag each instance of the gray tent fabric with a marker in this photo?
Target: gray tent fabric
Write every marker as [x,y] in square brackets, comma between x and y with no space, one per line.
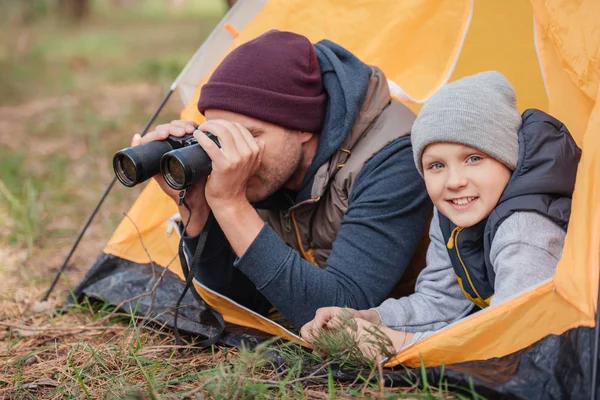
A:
[114,280]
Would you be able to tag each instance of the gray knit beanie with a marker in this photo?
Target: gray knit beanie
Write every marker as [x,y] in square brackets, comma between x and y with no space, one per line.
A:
[479,111]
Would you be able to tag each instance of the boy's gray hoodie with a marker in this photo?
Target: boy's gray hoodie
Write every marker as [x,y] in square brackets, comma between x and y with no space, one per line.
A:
[525,241]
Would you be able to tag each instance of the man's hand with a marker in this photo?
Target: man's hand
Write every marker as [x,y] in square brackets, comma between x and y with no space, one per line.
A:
[194,197]
[232,165]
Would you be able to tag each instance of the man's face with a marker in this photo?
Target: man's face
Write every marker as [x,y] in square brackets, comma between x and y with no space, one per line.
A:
[464,184]
[281,158]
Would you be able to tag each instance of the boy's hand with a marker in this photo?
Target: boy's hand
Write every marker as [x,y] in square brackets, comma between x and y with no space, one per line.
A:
[378,342]
[325,318]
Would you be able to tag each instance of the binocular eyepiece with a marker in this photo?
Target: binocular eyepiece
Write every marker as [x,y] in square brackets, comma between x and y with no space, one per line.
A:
[180,160]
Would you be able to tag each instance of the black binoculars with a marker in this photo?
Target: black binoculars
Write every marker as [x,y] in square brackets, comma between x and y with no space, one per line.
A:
[180,160]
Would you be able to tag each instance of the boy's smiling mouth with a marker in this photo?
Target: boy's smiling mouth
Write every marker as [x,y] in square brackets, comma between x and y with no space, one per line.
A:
[461,203]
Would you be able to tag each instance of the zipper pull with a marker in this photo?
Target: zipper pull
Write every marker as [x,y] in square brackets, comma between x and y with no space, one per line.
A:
[454,233]
[450,243]
[287,223]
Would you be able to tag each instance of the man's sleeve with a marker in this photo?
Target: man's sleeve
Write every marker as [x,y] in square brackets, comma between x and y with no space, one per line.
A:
[438,299]
[388,211]
[216,270]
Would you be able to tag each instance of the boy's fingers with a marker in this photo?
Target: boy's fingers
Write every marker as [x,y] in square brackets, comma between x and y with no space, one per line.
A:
[306,331]
[321,317]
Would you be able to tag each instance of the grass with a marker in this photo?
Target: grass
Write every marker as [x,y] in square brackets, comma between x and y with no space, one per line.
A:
[73,94]
[93,351]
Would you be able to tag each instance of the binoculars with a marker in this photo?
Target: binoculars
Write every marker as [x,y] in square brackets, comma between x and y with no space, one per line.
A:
[180,160]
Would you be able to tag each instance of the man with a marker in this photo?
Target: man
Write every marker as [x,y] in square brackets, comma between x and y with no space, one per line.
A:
[314,191]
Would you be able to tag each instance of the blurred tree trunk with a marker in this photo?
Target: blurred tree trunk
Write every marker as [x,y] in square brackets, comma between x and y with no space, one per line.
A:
[125,3]
[30,10]
[75,9]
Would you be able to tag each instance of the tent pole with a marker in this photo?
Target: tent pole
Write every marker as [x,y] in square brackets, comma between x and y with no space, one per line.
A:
[594,382]
[104,195]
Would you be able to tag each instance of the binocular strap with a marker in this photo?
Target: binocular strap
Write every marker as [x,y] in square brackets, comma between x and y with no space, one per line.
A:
[189,272]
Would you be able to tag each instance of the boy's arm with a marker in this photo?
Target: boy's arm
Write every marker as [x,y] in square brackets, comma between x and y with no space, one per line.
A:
[438,299]
[524,253]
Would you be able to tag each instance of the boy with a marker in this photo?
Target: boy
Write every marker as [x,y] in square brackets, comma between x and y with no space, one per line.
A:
[501,184]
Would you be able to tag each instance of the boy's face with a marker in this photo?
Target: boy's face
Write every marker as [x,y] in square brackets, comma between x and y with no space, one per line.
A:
[464,184]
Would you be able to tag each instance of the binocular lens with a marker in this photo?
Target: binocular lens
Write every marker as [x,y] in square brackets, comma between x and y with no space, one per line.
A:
[182,167]
[126,169]
[135,165]
[174,173]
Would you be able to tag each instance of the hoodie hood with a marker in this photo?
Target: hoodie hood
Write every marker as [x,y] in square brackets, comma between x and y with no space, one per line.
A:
[548,159]
[357,95]
[345,80]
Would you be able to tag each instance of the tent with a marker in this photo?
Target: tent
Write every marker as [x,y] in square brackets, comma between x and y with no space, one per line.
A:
[540,344]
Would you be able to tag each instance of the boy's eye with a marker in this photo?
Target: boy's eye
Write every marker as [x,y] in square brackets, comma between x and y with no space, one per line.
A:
[473,159]
[435,166]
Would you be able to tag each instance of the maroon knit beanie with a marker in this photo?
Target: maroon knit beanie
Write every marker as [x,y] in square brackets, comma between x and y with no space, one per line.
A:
[274,78]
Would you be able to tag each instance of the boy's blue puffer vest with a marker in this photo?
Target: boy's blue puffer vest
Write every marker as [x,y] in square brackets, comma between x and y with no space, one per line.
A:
[542,182]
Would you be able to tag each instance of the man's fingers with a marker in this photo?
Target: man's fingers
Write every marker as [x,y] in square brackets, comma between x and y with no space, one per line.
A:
[237,136]
[225,139]
[188,125]
[177,128]
[176,124]
[240,148]
[211,148]
[248,138]
[153,136]
[261,150]
[136,140]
